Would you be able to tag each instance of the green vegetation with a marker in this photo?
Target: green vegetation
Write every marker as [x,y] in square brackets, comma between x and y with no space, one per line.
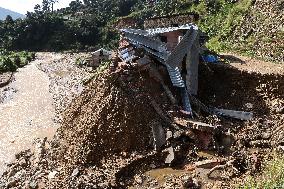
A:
[11,61]
[90,25]
[272,177]
[219,19]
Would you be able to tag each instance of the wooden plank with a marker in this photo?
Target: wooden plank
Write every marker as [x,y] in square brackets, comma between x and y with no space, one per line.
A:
[234,114]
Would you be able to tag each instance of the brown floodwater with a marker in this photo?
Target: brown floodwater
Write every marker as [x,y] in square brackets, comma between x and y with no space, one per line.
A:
[27,115]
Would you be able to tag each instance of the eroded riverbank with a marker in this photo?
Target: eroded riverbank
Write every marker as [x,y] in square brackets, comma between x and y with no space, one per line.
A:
[27,115]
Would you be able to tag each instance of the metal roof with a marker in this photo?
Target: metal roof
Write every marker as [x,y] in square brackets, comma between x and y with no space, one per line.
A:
[155,31]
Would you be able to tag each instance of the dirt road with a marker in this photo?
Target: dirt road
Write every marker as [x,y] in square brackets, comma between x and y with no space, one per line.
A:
[28,115]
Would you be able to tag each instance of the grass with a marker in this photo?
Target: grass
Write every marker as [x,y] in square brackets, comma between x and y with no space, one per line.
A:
[272,177]
[219,20]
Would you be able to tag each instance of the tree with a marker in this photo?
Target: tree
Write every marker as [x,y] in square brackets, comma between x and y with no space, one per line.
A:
[75,5]
[47,5]
[52,2]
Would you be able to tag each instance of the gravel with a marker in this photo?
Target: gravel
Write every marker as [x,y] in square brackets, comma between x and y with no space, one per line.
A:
[66,78]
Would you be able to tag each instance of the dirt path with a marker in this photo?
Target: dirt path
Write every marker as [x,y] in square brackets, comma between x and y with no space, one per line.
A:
[28,115]
[251,65]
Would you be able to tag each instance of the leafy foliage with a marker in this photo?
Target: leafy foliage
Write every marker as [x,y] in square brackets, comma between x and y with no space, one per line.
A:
[11,61]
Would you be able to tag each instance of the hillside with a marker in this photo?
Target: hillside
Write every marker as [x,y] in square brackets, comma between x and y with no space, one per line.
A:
[249,27]
[5,12]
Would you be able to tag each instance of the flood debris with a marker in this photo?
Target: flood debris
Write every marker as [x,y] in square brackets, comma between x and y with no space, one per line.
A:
[149,121]
[234,114]
[209,163]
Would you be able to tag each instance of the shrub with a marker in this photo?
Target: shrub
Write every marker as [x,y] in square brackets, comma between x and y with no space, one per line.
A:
[6,64]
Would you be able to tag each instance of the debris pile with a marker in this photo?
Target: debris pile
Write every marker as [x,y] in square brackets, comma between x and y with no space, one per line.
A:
[66,78]
[155,118]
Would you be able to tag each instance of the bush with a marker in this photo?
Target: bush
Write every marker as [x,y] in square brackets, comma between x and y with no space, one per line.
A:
[6,64]
[11,61]
[17,60]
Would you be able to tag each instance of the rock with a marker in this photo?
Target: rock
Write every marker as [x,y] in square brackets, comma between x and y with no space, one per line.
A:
[33,184]
[171,155]
[280,149]
[22,162]
[279,110]
[12,183]
[75,172]
[138,179]
[52,175]
[249,105]
[20,174]
[169,135]
[266,135]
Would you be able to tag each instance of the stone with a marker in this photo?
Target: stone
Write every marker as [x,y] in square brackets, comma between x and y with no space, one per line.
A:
[52,175]
[266,135]
[249,105]
[33,184]
[75,172]
[138,179]
[169,135]
[12,183]
[280,149]
[261,143]
[22,162]
[20,174]
[171,155]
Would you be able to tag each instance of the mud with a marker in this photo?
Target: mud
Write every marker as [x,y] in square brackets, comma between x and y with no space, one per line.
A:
[26,114]
[105,140]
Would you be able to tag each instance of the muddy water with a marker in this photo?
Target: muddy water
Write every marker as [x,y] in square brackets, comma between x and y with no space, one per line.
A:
[26,116]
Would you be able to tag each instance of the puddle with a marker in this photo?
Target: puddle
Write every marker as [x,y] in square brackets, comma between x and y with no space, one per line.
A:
[160,175]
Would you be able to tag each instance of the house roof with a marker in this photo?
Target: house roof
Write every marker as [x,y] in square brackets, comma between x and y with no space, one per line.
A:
[155,31]
[171,20]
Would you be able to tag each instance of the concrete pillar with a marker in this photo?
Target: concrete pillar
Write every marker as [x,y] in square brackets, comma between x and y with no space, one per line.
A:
[192,61]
